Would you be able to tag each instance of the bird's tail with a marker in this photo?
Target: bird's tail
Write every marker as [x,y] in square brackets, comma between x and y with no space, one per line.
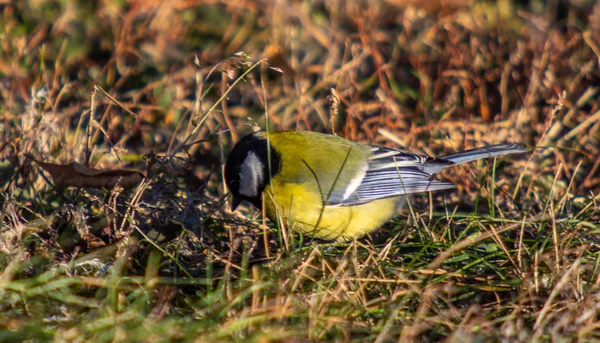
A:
[484,152]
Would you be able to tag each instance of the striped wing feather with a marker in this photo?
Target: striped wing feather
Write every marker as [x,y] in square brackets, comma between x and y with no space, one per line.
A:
[393,173]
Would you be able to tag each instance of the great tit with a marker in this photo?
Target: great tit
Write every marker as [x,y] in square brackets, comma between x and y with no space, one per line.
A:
[329,187]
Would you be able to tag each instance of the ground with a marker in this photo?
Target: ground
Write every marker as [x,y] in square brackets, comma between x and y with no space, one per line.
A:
[151,95]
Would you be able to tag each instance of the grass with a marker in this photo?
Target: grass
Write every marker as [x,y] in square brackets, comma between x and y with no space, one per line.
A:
[510,255]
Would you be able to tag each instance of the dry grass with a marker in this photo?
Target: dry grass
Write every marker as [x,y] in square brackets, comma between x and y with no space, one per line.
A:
[512,255]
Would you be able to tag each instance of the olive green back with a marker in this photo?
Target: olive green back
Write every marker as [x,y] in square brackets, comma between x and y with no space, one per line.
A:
[319,159]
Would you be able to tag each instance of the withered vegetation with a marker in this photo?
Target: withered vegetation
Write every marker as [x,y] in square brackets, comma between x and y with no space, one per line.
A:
[160,90]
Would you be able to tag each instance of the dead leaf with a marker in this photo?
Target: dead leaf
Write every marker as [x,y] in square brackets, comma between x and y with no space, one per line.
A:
[278,60]
[78,175]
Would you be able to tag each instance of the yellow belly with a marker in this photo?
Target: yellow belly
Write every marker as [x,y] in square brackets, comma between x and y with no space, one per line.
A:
[303,211]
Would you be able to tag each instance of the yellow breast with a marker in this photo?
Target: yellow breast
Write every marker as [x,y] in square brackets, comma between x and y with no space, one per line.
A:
[303,211]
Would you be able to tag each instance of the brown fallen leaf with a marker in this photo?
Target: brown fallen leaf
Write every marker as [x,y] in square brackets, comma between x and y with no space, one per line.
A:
[78,175]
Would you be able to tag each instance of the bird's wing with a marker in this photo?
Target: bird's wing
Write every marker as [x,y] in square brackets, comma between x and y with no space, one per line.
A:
[391,173]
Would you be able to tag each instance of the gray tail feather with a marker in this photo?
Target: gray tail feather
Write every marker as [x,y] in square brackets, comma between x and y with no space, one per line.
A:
[484,152]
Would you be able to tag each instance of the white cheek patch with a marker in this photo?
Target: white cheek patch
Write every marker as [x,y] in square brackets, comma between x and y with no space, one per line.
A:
[251,175]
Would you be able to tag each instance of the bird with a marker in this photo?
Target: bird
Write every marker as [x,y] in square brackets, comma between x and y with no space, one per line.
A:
[331,188]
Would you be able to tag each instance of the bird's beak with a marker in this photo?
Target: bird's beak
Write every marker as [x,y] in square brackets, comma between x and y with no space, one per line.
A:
[235,202]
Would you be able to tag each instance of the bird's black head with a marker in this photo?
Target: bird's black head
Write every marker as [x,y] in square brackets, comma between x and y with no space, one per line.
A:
[247,168]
